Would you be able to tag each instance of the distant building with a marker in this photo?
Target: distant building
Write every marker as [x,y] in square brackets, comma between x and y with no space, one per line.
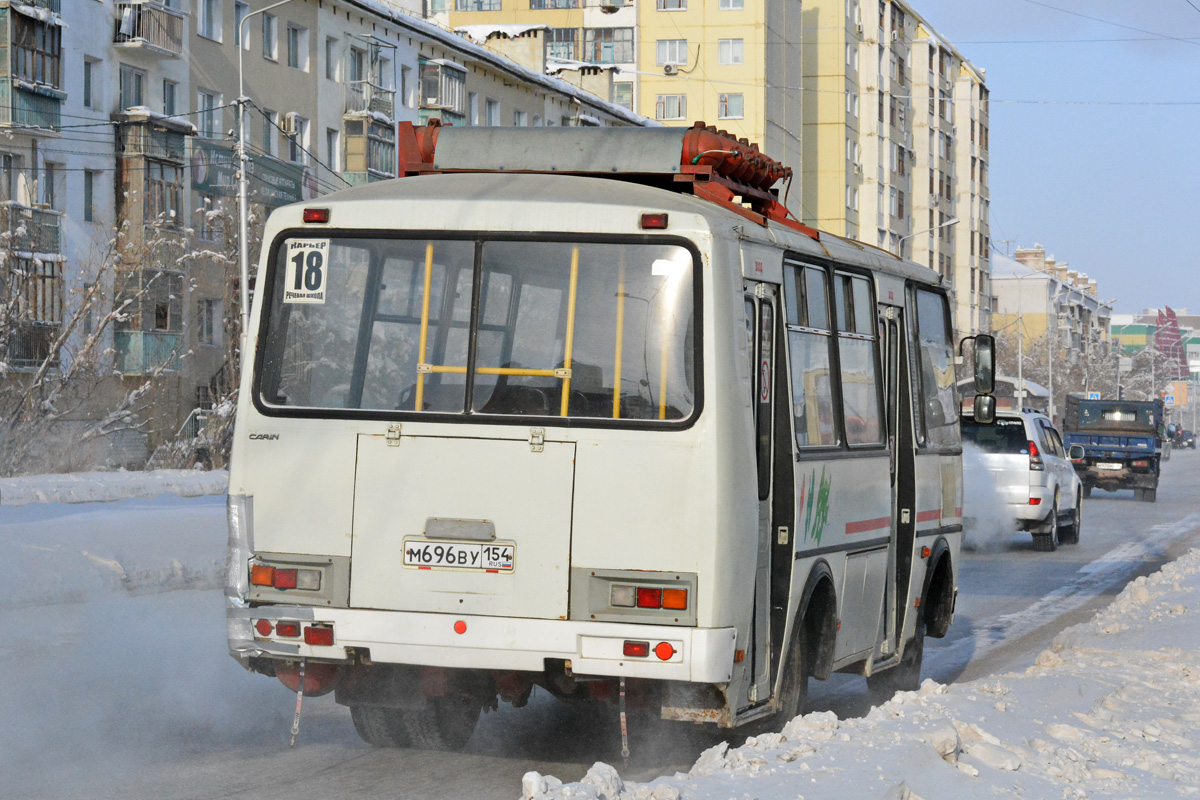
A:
[1133,333]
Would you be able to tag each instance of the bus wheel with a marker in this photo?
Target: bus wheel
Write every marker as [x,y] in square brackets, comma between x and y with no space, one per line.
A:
[379,726]
[447,723]
[905,676]
[793,694]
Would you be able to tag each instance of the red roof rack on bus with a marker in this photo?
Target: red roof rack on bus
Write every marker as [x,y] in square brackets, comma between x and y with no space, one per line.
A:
[700,160]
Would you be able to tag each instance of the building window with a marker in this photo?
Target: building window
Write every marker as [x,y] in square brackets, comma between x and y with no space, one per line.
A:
[491,111]
[670,106]
[240,10]
[208,19]
[36,50]
[544,4]
[472,109]
[608,45]
[444,87]
[164,193]
[89,196]
[298,141]
[270,25]
[671,5]
[331,59]
[562,43]
[297,47]
[170,91]
[405,86]
[476,5]
[333,149]
[731,51]
[133,82]
[89,84]
[520,119]
[731,5]
[208,116]
[623,94]
[729,106]
[270,126]
[206,317]
[672,51]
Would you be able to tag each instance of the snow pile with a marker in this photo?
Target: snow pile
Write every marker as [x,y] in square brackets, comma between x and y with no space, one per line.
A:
[105,487]
[1111,709]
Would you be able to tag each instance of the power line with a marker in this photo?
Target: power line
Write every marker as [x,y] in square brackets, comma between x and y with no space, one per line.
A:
[296,140]
[1110,22]
[1193,5]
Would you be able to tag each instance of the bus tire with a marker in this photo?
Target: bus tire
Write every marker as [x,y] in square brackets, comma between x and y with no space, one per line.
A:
[793,693]
[378,726]
[905,676]
[446,724]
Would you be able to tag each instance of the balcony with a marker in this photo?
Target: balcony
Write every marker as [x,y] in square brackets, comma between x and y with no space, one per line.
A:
[26,105]
[31,344]
[143,352]
[30,230]
[151,26]
[365,98]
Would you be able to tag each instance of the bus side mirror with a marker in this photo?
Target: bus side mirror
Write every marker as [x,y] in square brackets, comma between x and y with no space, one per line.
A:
[985,364]
[1076,452]
[984,409]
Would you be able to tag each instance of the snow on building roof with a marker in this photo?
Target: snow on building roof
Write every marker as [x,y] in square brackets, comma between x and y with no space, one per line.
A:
[481,33]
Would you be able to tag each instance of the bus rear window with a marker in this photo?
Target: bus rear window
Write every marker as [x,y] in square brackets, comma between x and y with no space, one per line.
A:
[529,328]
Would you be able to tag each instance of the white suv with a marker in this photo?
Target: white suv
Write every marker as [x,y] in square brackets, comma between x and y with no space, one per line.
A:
[1033,476]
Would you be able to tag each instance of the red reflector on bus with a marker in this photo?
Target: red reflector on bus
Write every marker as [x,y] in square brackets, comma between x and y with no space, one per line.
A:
[263,626]
[316,215]
[649,598]
[637,649]
[925,552]
[261,575]
[289,629]
[322,636]
[664,651]
[460,627]
[285,579]
[675,599]
[654,222]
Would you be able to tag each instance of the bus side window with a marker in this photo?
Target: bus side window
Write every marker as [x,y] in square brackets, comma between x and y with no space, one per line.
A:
[936,364]
[858,352]
[810,341]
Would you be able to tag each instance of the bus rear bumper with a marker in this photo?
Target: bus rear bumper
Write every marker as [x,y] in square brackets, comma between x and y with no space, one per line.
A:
[698,655]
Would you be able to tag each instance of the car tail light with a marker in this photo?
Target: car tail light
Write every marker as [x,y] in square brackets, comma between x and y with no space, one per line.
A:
[637,649]
[289,629]
[1141,462]
[648,597]
[622,596]
[262,575]
[674,599]
[319,635]
[1035,501]
[1035,457]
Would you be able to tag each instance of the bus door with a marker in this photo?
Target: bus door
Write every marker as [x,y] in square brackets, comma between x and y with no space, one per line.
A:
[773,469]
[903,459]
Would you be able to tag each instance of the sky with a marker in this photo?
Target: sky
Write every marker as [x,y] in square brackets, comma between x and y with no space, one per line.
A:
[1089,157]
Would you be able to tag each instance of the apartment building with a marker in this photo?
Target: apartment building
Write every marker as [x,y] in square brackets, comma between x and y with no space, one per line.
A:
[896,143]
[119,165]
[731,63]
[574,33]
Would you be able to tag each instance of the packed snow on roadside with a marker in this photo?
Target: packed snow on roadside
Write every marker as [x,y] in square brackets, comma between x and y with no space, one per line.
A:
[106,487]
[1111,709]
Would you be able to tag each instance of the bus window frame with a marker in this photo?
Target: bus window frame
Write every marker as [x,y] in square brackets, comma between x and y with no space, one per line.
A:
[843,449]
[917,386]
[267,279]
[877,351]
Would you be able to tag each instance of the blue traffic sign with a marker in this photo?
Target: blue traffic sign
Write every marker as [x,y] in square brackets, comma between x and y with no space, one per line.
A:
[1093,395]
[1169,399]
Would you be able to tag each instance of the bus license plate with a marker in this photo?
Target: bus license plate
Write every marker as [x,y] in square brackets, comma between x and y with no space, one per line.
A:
[473,556]
[1108,465]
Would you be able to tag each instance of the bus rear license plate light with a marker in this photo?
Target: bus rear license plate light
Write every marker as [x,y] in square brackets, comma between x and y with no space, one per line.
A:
[319,636]
[288,629]
[648,597]
[285,579]
[622,596]
[675,599]
[637,649]
[262,575]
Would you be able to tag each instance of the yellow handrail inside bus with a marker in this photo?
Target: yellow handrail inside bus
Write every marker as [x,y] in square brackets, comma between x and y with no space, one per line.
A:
[566,385]
[620,337]
[420,398]
[662,384]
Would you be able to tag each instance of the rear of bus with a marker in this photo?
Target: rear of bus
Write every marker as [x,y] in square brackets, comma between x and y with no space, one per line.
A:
[470,458]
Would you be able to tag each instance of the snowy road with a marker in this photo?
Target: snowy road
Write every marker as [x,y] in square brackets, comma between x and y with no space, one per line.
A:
[112,690]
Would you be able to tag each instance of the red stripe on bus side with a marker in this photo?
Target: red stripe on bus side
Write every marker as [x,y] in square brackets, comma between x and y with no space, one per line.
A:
[929,516]
[868,525]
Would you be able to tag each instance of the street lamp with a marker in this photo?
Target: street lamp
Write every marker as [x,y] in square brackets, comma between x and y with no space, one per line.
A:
[946,224]
[243,166]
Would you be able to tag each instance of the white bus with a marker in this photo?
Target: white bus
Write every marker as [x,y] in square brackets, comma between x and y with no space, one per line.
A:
[572,408]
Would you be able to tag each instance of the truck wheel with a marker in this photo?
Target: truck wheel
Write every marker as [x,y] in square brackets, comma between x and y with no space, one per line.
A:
[905,676]
[1070,533]
[447,724]
[1149,495]
[1048,542]
[379,726]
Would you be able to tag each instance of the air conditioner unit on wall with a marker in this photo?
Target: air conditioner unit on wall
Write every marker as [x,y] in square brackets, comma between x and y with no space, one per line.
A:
[670,69]
[290,124]
[858,168]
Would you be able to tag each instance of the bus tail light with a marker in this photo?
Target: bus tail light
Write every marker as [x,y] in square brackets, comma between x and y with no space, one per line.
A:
[316,215]
[654,222]
[622,596]
[1035,458]
[664,651]
[637,649]
[262,575]
[648,597]
[288,629]
[285,579]
[674,599]
[319,635]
